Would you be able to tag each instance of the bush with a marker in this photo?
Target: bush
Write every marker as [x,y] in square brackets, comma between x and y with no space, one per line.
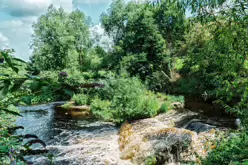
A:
[127,99]
[175,98]
[102,109]
[150,105]
[229,150]
[80,99]
[151,160]
[163,108]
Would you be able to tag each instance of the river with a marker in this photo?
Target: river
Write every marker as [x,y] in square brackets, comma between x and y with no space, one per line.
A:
[71,141]
[75,141]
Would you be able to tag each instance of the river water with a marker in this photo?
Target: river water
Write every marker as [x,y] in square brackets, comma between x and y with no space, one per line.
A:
[71,141]
[75,141]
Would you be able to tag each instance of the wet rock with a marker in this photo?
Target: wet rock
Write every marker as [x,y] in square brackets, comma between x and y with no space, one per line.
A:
[238,123]
[199,126]
[74,111]
[168,143]
[158,139]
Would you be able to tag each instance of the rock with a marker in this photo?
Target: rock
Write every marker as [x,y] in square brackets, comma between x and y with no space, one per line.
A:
[177,105]
[74,111]
[165,144]
[199,126]
[238,123]
[158,139]
[169,143]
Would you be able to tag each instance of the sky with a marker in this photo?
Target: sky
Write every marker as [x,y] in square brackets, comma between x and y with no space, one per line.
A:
[17,17]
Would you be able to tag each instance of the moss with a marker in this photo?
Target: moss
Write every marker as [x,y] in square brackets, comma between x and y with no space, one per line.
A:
[168,131]
[66,105]
[126,132]
[151,160]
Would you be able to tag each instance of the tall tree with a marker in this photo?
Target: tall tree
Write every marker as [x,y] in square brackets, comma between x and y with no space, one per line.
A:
[114,20]
[145,36]
[217,52]
[60,39]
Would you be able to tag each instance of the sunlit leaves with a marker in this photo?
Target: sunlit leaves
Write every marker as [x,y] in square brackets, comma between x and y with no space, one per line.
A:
[60,39]
[145,35]
[218,47]
[4,87]
[17,83]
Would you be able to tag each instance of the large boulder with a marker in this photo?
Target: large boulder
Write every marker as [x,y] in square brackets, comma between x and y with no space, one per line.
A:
[159,139]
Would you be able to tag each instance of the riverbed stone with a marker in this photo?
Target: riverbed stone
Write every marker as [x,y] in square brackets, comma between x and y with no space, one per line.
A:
[198,126]
[159,138]
[69,109]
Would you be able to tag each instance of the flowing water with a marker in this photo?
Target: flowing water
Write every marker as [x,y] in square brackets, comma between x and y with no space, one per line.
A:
[75,141]
[71,141]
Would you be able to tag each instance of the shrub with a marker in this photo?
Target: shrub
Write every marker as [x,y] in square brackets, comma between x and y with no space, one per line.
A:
[163,108]
[102,109]
[175,98]
[129,100]
[151,160]
[150,105]
[80,99]
[50,75]
[232,149]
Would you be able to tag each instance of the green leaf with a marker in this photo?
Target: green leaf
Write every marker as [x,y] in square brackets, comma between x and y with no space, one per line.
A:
[17,59]
[35,86]
[69,92]
[17,84]
[4,88]
[32,77]
[6,75]
[4,149]
[27,99]
[10,112]
[1,84]
[9,62]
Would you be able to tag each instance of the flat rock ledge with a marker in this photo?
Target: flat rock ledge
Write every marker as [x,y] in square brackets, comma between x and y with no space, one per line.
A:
[82,111]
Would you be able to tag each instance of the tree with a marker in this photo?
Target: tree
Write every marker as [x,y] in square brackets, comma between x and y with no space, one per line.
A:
[60,39]
[217,54]
[114,20]
[145,36]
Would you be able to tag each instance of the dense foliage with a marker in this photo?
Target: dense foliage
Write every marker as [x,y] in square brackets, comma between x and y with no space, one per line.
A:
[145,38]
[215,51]
[12,150]
[124,99]
[60,39]
[158,47]
[231,150]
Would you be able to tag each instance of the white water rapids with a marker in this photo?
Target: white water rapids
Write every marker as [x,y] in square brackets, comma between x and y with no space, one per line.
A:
[71,141]
[74,141]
